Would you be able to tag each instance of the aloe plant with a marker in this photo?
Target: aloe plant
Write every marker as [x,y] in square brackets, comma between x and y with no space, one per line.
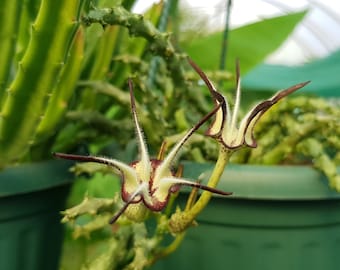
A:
[45,53]
[34,96]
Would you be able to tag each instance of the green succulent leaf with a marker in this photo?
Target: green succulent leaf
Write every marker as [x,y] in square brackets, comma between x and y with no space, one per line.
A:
[9,13]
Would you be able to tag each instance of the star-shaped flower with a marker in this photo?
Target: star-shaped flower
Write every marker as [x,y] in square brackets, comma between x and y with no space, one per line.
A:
[225,127]
[147,182]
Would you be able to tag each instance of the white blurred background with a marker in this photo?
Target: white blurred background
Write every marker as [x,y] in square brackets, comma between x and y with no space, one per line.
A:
[316,36]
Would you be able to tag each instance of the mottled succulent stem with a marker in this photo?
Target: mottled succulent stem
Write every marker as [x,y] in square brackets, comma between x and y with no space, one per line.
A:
[159,42]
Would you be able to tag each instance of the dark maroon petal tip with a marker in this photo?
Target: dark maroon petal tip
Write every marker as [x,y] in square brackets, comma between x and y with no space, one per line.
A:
[210,189]
[283,93]
[203,76]
[73,157]
[119,213]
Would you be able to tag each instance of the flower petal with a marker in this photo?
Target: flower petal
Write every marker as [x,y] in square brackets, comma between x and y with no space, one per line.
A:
[230,135]
[249,121]
[128,173]
[170,181]
[130,200]
[163,169]
[144,168]
[221,114]
[160,196]
[218,123]
[237,97]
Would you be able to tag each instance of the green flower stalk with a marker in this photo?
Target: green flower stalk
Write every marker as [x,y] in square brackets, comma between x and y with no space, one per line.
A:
[230,136]
[148,183]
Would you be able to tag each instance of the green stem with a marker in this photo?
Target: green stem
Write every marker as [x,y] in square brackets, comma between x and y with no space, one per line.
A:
[169,249]
[215,177]
[182,220]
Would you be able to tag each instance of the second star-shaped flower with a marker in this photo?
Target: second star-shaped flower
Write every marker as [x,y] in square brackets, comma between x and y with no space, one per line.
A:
[225,127]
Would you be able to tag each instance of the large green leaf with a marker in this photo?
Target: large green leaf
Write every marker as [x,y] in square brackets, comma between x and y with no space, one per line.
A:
[250,43]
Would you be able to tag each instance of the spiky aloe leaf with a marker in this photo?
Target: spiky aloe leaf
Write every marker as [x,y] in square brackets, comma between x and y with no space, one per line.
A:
[9,13]
[38,72]
[57,104]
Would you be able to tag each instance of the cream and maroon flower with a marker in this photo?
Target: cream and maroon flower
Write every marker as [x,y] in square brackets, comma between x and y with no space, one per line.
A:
[147,182]
[225,127]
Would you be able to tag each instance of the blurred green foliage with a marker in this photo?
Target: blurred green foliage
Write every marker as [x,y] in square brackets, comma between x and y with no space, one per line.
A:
[250,43]
[301,130]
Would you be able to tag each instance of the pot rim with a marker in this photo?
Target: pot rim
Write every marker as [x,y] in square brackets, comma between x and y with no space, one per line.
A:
[37,176]
[292,182]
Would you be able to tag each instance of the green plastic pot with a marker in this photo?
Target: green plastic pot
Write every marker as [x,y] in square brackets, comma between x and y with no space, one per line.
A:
[31,197]
[279,217]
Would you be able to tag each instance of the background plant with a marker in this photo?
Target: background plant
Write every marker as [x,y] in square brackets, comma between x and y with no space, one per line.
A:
[169,95]
[42,47]
[301,130]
